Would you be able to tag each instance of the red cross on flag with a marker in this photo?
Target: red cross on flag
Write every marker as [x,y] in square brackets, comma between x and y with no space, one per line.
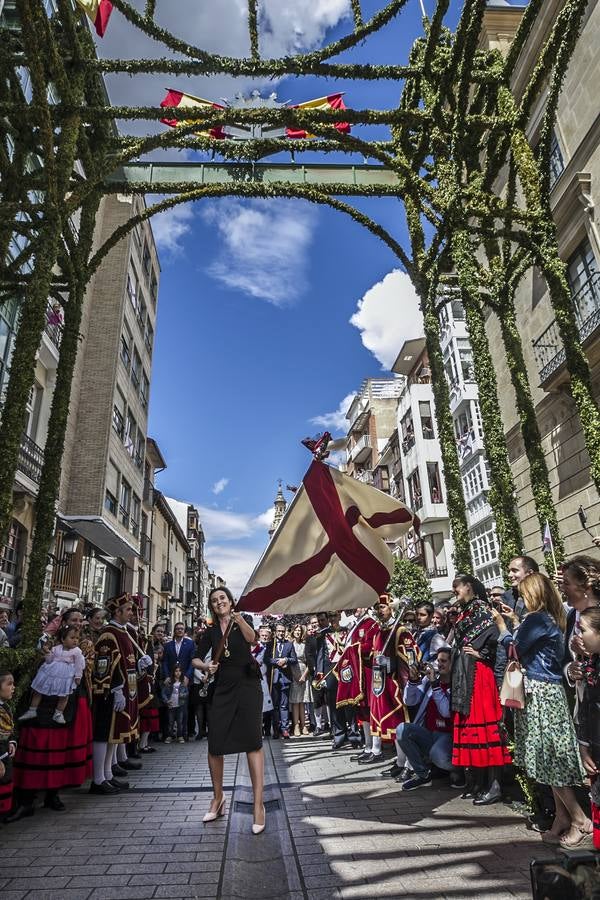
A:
[329,551]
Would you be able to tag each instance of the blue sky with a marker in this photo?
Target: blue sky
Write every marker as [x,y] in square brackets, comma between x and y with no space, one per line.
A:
[254,339]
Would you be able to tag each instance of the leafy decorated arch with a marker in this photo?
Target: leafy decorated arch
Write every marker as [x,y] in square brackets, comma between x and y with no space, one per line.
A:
[456,127]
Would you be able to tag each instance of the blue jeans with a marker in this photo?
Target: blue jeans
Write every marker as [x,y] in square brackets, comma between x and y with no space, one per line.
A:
[176,718]
[423,747]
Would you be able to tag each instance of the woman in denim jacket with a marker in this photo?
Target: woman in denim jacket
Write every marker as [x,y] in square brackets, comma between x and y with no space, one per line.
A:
[545,742]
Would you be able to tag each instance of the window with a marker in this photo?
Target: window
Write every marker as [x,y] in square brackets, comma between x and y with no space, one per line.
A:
[112,488]
[153,289]
[473,482]
[484,545]
[8,320]
[126,342]
[426,419]
[557,165]
[146,260]
[584,281]
[9,564]
[130,435]
[136,369]
[110,502]
[125,502]
[141,314]
[144,391]
[135,515]
[466,364]
[149,336]
[118,419]
[407,429]
[138,456]
[132,289]
[435,485]
[414,490]
[137,237]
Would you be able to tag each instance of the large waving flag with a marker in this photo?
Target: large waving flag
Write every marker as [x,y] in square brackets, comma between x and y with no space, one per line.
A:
[329,551]
[333,101]
[179,99]
[98,11]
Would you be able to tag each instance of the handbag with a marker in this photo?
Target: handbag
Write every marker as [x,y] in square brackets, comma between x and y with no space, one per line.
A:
[512,693]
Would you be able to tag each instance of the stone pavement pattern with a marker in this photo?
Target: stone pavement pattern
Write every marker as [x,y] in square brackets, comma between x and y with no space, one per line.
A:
[334,832]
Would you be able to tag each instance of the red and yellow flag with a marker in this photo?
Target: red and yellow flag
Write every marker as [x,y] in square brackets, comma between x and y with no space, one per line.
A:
[98,11]
[179,99]
[333,101]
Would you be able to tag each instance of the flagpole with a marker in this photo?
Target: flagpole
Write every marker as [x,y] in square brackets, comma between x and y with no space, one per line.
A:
[548,532]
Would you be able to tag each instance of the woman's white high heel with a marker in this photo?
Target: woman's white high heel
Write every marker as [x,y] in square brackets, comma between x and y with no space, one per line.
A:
[220,811]
[258,829]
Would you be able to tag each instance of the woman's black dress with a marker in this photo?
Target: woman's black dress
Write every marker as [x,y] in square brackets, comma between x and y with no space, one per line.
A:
[235,712]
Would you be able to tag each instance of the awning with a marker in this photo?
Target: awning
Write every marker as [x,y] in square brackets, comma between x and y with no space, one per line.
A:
[101,534]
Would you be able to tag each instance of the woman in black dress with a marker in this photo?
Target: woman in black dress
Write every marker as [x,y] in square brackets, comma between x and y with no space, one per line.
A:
[235,716]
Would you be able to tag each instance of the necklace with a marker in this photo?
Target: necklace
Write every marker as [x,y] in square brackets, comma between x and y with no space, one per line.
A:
[226,652]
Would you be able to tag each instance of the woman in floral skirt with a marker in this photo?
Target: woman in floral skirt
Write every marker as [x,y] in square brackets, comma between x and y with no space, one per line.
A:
[545,742]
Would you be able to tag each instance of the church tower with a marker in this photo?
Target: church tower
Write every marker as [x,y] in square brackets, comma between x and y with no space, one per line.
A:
[280,508]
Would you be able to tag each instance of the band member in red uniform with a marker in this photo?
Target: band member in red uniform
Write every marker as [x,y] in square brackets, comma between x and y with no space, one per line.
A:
[354,671]
[8,744]
[116,713]
[394,650]
[332,642]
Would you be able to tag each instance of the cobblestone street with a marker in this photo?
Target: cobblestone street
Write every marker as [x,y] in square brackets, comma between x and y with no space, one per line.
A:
[333,831]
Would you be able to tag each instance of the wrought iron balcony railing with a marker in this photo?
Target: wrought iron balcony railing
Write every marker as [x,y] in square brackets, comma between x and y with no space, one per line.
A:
[548,348]
[31,459]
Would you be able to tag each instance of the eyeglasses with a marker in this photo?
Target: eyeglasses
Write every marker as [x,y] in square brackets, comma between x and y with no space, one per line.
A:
[497,596]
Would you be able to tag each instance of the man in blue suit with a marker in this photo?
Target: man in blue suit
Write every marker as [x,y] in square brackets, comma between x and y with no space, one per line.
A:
[279,659]
[179,652]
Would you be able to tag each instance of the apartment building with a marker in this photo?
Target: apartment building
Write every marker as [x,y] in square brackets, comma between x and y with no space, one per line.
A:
[474,469]
[194,603]
[421,466]
[170,552]
[371,421]
[104,467]
[575,198]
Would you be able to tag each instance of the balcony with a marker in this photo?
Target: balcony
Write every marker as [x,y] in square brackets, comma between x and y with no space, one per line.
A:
[408,443]
[361,450]
[364,475]
[437,572]
[148,495]
[145,547]
[31,459]
[548,348]
[54,323]
[166,583]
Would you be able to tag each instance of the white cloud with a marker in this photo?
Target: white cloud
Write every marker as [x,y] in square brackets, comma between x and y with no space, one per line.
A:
[234,564]
[220,485]
[171,227]
[336,420]
[265,247]
[388,315]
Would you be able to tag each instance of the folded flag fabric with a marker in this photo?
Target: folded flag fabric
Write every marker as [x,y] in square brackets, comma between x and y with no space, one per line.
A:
[98,11]
[333,101]
[330,549]
[179,99]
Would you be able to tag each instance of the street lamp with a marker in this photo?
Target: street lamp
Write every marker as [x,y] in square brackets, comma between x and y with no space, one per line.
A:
[69,545]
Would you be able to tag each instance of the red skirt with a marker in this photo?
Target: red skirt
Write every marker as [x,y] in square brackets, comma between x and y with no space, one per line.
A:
[477,740]
[6,791]
[55,758]
[595,820]
[149,720]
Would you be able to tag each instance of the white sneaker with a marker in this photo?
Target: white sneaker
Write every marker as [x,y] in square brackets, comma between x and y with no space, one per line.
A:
[30,714]
[59,718]
[181,740]
[169,740]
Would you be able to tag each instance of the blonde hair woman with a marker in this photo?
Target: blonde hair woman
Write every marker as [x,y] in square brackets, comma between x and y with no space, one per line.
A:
[545,742]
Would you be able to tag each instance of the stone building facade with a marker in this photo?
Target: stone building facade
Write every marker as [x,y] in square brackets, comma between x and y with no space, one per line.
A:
[575,199]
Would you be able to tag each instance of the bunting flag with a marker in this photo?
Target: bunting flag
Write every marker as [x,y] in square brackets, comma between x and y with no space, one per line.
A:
[179,99]
[98,11]
[329,551]
[333,101]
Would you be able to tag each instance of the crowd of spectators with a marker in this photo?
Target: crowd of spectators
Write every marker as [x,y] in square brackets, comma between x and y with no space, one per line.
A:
[450,666]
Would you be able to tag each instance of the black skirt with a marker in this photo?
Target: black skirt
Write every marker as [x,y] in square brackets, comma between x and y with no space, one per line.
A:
[235,713]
